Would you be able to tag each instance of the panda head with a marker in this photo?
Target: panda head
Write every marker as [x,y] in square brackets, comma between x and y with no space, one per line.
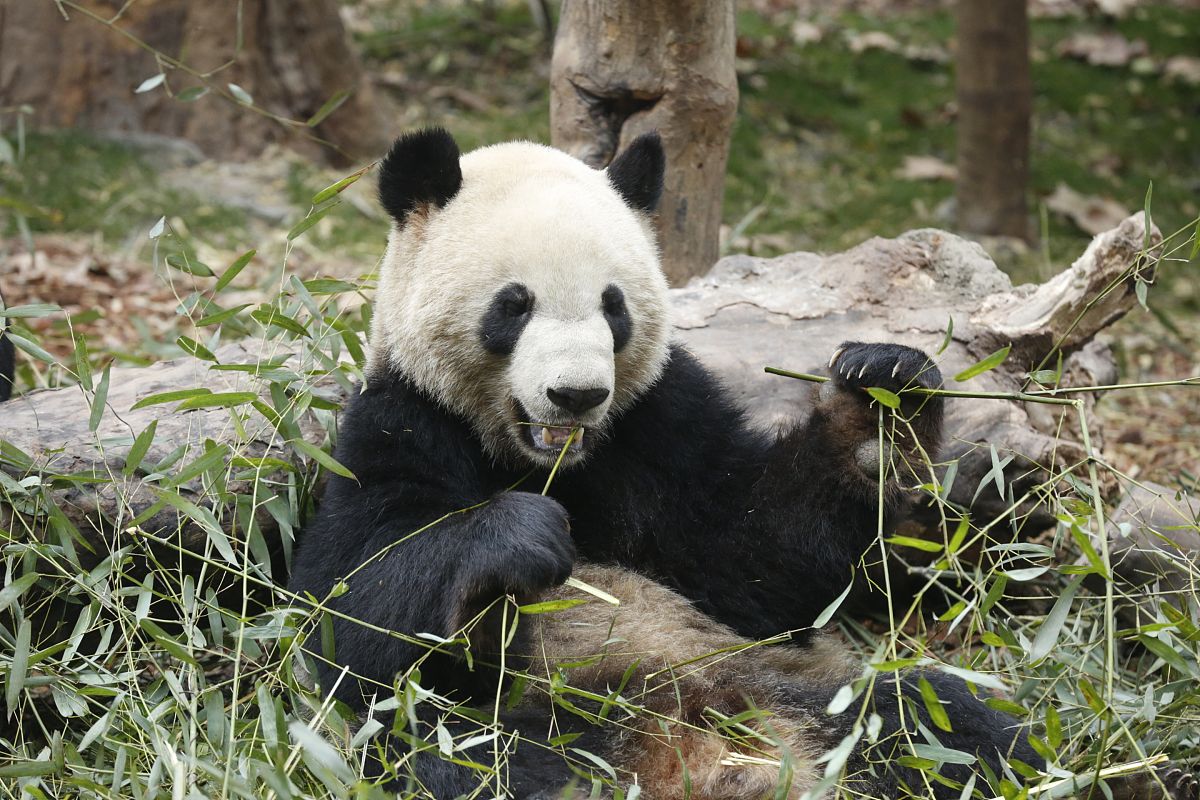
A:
[521,289]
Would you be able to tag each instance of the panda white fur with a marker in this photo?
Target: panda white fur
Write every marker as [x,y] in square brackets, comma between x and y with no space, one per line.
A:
[521,299]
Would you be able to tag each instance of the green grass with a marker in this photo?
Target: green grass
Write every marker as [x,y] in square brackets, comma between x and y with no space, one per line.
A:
[75,182]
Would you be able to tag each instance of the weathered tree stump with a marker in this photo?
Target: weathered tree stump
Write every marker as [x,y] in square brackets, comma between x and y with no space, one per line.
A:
[624,68]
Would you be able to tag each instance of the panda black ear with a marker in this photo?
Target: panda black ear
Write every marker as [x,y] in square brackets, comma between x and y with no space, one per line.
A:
[637,173]
[420,169]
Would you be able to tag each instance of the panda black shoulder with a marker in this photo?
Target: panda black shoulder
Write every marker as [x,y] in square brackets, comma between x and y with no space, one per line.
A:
[691,408]
[392,429]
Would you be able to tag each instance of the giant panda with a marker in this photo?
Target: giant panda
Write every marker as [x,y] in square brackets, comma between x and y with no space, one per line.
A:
[521,332]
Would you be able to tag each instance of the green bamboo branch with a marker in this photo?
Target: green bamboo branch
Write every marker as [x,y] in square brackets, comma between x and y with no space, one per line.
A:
[1018,396]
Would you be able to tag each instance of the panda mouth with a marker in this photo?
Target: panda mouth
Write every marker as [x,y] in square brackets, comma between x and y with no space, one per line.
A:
[544,436]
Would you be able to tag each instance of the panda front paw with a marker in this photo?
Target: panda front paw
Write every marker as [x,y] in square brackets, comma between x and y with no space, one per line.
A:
[1180,784]
[895,367]
[851,419]
[528,546]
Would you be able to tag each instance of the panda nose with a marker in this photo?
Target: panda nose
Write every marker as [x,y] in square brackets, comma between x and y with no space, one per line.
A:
[576,400]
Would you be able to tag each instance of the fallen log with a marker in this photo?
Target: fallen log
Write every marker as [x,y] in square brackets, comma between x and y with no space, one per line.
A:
[747,313]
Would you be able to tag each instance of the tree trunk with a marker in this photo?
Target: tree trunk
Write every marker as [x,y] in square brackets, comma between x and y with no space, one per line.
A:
[994,102]
[625,67]
[289,57]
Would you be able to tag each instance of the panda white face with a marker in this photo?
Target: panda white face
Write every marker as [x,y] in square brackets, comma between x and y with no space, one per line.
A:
[530,301]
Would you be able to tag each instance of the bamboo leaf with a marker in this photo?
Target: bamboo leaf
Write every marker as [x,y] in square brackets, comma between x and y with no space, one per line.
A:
[312,219]
[221,316]
[832,608]
[234,269]
[1047,635]
[168,397]
[328,286]
[15,589]
[550,606]
[139,449]
[30,310]
[191,266]
[1149,234]
[194,348]
[959,535]
[217,400]
[191,94]
[330,105]
[916,544]
[240,94]
[889,399]
[18,666]
[1054,733]
[948,338]
[83,365]
[269,315]
[29,769]
[153,82]
[167,642]
[202,517]
[335,189]
[322,458]
[99,399]
[987,364]
[31,348]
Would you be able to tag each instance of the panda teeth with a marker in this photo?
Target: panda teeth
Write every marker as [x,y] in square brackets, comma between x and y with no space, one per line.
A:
[554,437]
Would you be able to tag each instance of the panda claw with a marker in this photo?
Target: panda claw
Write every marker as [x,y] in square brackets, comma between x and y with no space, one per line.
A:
[896,368]
[862,371]
[836,353]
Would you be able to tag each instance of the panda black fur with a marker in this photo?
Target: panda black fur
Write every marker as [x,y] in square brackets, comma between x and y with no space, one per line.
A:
[521,297]
[8,367]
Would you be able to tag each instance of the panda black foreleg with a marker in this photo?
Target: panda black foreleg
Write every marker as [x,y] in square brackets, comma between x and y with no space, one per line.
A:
[978,730]
[437,581]
[848,418]
[8,369]
[527,770]
[988,736]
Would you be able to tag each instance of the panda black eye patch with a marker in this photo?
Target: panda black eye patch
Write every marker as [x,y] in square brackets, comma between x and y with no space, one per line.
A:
[506,317]
[613,302]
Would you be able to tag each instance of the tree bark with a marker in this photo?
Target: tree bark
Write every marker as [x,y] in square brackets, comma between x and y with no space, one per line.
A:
[994,105]
[291,57]
[624,67]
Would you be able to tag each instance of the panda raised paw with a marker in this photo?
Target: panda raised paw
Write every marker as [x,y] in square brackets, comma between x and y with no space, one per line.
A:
[894,367]
[1180,784]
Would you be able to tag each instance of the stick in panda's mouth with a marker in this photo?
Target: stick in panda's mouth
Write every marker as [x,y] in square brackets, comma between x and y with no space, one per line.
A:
[555,437]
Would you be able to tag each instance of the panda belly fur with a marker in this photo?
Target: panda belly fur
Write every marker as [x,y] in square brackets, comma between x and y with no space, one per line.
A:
[521,297]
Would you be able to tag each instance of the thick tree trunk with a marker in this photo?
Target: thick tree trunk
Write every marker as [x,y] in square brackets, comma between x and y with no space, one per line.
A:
[625,67]
[289,56]
[994,105]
